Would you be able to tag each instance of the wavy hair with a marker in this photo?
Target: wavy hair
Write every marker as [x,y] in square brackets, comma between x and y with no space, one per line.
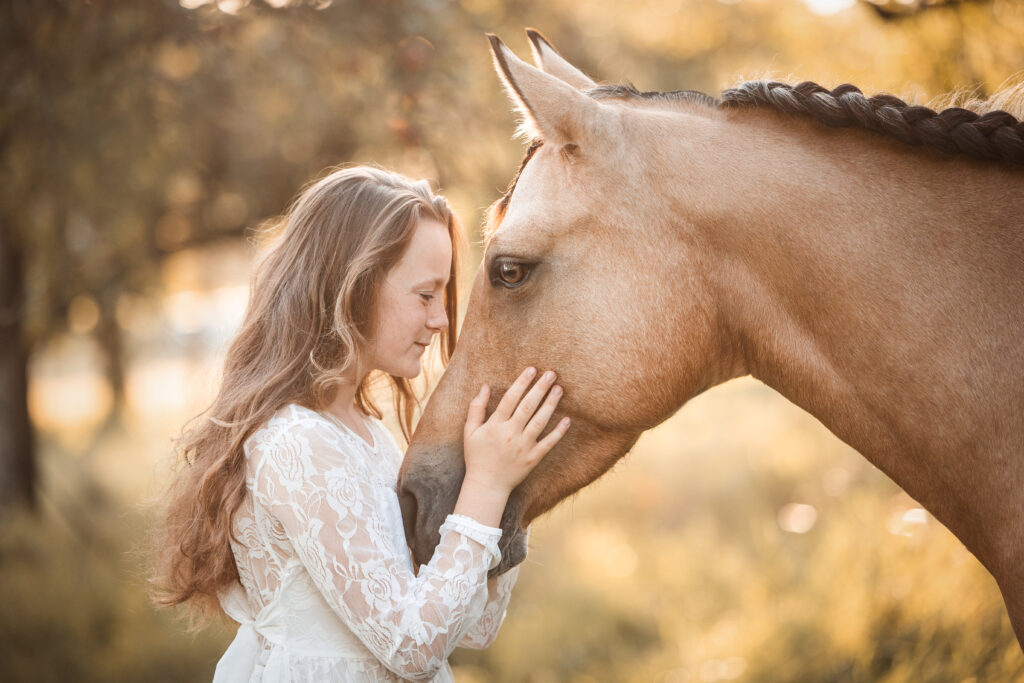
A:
[310,311]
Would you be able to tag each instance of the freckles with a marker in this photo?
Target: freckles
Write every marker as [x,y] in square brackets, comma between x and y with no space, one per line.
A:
[385,321]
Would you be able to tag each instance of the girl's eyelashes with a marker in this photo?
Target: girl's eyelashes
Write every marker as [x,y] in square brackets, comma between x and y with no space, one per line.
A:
[426,296]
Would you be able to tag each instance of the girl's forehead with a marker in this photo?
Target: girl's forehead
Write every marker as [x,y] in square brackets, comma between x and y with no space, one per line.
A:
[428,256]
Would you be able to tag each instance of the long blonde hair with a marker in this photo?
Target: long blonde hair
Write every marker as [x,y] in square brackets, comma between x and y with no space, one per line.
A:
[311,303]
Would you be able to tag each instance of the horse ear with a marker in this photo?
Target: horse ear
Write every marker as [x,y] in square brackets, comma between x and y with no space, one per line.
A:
[552,110]
[546,57]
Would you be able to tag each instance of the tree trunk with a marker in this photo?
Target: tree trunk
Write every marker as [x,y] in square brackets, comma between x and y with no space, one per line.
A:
[108,334]
[17,456]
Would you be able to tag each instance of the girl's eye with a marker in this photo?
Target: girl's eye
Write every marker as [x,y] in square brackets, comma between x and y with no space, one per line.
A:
[426,296]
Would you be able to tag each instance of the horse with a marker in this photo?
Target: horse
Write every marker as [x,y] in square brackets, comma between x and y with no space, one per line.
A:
[861,256]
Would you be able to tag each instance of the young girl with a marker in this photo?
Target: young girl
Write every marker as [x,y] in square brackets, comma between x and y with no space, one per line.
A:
[285,514]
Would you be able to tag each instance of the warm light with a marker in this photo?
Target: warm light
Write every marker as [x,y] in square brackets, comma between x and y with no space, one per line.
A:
[826,7]
[75,400]
[177,62]
[606,551]
[231,6]
[797,518]
[83,314]
[162,387]
[727,669]
[906,523]
[835,481]
[185,312]
[227,307]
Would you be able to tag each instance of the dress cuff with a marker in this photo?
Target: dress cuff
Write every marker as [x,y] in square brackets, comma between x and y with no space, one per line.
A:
[487,536]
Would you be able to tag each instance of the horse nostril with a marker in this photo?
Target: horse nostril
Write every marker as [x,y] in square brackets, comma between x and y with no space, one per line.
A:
[427,493]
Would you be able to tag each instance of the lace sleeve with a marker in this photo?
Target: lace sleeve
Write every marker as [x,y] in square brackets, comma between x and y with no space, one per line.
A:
[485,630]
[326,500]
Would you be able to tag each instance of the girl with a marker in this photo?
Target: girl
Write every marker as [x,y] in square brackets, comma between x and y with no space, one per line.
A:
[285,514]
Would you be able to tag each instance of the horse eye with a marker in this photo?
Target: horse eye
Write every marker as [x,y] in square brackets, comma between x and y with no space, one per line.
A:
[510,274]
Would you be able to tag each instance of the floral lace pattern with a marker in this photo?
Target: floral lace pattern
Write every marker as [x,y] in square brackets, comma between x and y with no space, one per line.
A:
[328,591]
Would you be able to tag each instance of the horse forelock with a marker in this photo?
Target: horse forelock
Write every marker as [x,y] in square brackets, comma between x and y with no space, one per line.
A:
[496,212]
[628,91]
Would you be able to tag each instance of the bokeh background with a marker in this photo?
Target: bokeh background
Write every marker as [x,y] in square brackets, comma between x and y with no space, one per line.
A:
[145,143]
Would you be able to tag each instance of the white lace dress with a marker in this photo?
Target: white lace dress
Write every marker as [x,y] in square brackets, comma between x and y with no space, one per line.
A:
[327,588]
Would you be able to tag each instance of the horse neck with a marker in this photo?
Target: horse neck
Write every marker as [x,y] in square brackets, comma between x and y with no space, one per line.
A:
[857,276]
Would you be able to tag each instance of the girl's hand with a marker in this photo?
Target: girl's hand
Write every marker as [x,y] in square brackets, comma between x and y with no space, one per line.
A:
[501,451]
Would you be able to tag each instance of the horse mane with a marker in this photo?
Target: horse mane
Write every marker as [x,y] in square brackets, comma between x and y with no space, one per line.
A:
[981,129]
[626,91]
[496,212]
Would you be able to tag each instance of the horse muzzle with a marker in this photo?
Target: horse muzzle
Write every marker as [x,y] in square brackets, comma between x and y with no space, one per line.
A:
[428,487]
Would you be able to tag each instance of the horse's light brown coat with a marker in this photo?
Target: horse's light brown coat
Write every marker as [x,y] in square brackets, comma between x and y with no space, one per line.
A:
[676,246]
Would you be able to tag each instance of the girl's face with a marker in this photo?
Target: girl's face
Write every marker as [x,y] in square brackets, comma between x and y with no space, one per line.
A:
[410,305]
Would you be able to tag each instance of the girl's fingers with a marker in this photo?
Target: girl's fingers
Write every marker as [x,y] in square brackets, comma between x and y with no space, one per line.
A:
[477,410]
[532,399]
[511,398]
[549,441]
[537,423]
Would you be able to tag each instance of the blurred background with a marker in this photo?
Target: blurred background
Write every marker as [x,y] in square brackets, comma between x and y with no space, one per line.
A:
[145,143]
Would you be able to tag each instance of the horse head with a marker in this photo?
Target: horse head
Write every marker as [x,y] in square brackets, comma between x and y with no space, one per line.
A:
[586,271]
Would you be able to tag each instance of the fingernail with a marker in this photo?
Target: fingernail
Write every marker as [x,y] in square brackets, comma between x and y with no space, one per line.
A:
[530,372]
[548,376]
[565,421]
[556,390]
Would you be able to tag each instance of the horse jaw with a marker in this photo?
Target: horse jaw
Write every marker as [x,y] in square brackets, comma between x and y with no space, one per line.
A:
[432,472]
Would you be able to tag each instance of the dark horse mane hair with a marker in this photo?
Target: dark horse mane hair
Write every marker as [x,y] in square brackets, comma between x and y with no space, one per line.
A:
[992,136]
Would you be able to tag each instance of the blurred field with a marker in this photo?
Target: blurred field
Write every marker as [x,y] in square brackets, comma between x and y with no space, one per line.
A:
[740,541]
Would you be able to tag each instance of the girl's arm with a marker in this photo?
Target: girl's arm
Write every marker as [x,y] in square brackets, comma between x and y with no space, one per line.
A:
[485,630]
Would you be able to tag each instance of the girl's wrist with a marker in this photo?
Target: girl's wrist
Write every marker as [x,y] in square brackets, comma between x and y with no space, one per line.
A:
[483,502]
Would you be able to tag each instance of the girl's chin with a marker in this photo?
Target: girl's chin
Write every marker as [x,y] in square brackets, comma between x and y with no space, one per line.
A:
[407,372]
[406,367]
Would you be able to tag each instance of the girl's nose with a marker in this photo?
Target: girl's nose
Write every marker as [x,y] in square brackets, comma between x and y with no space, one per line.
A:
[438,318]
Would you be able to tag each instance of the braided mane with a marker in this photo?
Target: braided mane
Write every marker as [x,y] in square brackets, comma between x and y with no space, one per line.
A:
[994,135]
